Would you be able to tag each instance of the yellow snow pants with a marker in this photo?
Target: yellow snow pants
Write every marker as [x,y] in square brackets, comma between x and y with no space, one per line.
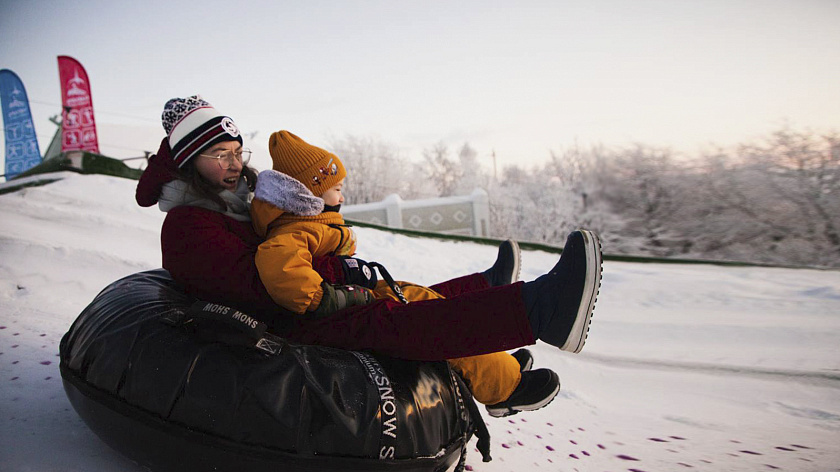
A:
[492,377]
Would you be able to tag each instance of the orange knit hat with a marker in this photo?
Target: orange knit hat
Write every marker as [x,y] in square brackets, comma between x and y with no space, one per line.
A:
[316,168]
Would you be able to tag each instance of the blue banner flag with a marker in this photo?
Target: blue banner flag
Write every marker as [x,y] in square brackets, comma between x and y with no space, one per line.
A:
[22,151]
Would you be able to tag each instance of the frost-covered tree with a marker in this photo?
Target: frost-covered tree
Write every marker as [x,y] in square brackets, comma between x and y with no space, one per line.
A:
[777,200]
[473,173]
[375,169]
[441,170]
[545,203]
[645,186]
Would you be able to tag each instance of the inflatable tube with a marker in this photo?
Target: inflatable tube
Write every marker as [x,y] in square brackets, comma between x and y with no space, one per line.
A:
[193,397]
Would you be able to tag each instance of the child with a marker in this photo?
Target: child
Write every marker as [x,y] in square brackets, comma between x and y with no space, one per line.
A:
[296,209]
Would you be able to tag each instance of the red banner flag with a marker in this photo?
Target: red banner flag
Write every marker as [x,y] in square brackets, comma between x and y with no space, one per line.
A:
[78,128]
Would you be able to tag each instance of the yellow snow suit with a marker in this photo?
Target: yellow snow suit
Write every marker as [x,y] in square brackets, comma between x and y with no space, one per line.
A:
[284,261]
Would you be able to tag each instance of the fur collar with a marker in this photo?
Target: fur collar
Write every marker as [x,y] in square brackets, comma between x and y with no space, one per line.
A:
[178,192]
[287,194]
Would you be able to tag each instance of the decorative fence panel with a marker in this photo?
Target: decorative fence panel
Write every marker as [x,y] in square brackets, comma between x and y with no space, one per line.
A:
[465,215]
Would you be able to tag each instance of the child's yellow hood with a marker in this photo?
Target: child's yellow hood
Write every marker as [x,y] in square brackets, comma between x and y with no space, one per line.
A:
[263,214]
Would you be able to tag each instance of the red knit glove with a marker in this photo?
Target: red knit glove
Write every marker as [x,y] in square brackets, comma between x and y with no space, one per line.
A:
[161,169]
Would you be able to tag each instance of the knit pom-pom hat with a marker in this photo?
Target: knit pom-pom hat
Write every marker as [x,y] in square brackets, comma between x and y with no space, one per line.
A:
[314,167]
[193,125]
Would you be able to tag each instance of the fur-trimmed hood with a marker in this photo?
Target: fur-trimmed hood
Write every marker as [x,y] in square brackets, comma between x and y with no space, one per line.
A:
[287,194]
[280,198]
[177,192]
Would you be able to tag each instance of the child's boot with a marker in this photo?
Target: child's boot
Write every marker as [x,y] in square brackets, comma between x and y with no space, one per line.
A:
[560,303]
[506,268]
[524,358]
[536,390]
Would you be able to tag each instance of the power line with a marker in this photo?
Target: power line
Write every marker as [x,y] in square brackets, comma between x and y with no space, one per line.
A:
[101,144]
[98,111]
[116,146]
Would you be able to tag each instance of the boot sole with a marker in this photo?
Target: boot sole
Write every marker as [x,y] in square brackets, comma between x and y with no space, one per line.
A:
[594,259]
[501,412]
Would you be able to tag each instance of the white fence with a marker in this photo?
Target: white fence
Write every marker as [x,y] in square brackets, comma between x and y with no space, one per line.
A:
[467,215]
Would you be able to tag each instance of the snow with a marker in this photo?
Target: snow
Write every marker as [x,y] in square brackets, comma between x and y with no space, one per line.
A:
[688,367]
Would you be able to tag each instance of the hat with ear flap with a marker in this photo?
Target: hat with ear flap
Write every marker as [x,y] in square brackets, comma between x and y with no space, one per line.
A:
[192,125]
[317,169]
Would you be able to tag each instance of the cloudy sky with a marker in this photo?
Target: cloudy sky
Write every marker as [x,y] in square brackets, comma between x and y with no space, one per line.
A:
[518,78]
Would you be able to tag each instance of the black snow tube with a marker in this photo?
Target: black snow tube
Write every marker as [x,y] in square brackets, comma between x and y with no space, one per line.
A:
[191,397]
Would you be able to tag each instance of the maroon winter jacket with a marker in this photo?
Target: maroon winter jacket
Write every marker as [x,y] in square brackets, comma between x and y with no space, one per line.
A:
[212,256]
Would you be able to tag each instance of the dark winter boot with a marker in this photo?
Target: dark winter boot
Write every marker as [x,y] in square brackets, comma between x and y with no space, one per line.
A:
[560,303]
[536,390]
[506,268]
[524,358]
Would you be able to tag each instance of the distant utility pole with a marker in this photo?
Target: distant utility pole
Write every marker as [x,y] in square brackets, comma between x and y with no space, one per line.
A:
[495,173]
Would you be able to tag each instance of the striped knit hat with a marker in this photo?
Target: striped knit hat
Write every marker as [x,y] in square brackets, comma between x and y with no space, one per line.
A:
[193,125]
[316,168]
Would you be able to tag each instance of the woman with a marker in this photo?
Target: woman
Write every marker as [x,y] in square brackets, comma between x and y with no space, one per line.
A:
[208,246]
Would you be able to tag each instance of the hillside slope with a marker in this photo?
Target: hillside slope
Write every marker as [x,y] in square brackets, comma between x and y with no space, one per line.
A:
[688,367]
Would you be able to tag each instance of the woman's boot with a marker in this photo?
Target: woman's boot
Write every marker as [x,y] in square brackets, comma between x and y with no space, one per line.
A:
[560,303]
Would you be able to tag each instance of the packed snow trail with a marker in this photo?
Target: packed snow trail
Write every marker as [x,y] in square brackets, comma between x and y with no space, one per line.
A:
[687,367]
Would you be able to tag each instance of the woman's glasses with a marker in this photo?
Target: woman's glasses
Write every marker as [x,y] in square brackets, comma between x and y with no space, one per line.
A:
[226,158]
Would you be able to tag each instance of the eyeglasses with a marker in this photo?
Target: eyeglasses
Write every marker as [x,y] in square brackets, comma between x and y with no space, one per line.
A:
[226,158]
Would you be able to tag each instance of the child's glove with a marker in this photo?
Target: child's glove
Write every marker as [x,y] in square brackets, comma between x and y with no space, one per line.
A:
[339,297]
[358,272]
[345,270]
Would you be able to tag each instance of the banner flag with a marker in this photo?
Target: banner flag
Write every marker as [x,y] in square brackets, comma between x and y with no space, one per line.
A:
[22,151]
[78,128]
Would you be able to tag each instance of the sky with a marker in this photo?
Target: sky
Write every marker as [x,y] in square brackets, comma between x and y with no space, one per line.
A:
[514,79]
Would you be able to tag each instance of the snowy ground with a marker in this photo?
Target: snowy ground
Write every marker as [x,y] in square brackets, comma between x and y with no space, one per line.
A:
[698,368]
